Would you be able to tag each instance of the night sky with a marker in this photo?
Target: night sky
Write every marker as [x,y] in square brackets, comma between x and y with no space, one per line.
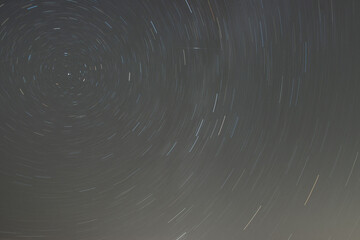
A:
[180,119]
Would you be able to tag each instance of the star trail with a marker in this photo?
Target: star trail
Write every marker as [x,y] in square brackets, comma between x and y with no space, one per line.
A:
[179,119]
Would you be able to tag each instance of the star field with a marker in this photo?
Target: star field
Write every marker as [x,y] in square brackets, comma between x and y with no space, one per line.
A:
[179,119]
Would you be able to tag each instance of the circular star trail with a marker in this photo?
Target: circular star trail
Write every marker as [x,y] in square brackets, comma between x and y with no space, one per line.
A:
[179,119]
